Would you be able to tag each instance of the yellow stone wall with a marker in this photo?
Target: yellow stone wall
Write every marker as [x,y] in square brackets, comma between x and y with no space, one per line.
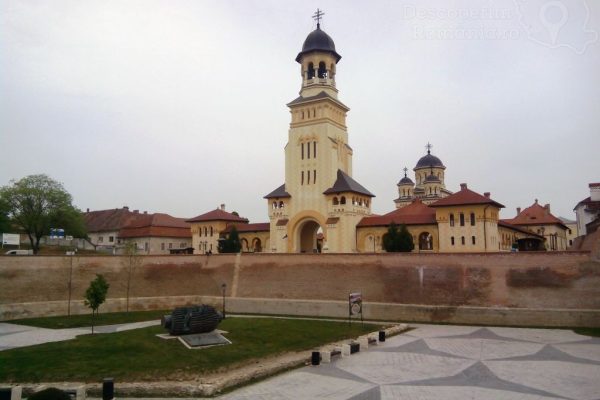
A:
[205,239]
[255,242]
[369,239]
[485,230]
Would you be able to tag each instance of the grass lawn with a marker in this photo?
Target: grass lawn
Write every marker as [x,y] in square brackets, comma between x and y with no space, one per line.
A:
[77,321]
[138,355]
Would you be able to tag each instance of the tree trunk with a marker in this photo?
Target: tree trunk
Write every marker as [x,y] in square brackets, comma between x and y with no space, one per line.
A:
[36,247]
[93,319]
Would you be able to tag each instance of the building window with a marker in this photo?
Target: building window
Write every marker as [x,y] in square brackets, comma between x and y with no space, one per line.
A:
[146,247]
[335,201]
[462,240]
[452,220]
[308,150]
[315,152]
[308,177]
[302,144]
[274,205]
[452,240]
[281,204]
[302,177]
[205,231]
[425,241]
[170,245]
[315,176]
[162,246]
[473,240]
[112,238]
[343,200]
[211,231]
[100,239]
[462,220]
[473,220]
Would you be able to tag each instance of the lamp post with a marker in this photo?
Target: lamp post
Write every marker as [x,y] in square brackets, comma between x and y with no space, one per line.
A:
[223,287]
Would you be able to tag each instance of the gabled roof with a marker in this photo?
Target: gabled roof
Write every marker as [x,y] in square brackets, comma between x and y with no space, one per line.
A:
[218,215]
[156,225]
[506,224]
[465,196]
[589,204]
[278,193]
[257,227]
[415,213]
[109,220]
[344,183]
[319,96]
[536,214]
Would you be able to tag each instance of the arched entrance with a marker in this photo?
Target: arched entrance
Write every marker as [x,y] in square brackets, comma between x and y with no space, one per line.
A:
[310,237]
[256,245]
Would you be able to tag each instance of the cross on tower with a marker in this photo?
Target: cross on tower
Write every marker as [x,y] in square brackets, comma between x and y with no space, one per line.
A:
[428,147]
[405,170]
[317,17]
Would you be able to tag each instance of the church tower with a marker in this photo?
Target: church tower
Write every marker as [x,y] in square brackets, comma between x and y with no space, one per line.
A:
[319,205]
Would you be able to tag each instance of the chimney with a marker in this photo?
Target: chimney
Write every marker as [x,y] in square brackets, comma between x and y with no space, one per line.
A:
[487,194]
[136,211]
[518,210]
[595,191]
[145,212]
[88,210]
[223,207]
[547,208]
[463,186]
[125,208]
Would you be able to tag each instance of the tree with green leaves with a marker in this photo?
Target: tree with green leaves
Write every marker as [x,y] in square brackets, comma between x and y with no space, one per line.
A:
[95,295]
[5,225]
[36,203]
[232,243]
[398,239]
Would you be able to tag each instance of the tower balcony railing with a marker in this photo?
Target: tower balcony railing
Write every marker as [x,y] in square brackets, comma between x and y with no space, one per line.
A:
[319,81]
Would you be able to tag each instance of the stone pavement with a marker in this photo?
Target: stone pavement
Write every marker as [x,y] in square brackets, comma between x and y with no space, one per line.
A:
[13,335]
[451,362]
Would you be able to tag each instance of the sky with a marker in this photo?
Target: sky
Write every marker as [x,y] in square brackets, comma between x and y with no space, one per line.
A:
[180,106]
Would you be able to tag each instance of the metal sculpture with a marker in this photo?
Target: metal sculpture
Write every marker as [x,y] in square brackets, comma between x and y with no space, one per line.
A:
[194,319]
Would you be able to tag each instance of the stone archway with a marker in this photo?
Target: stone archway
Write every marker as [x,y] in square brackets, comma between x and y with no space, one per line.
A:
[308,237]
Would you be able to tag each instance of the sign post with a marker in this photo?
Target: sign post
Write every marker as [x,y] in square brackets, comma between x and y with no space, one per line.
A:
[355,306]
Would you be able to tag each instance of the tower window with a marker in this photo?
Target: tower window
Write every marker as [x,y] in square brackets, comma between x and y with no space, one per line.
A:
[281,204]
[462,240]
[308,150]
[308,177]
[322,70]
[211,231]
[473,240]
[302,145]
[462,220]
[315,176]
[335,201]
[315,149]
[311,71]
[451,219]
[452,240]
[473,220]
[302,177]
[343,200]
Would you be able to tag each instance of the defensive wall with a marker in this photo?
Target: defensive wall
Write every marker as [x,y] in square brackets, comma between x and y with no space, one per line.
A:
[528,289]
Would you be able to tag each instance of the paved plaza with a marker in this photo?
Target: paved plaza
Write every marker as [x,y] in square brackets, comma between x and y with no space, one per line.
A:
[451,362]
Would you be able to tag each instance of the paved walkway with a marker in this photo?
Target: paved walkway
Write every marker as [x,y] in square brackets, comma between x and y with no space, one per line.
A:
[13,335]
[451,362]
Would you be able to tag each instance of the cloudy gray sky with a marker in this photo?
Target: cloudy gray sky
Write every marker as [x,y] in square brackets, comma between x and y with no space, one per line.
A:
[178,106]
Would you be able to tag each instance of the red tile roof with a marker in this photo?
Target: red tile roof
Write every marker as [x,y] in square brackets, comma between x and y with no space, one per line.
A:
[535,215]
[589,203]
[506,223]
[465,197]
[257,227]
[156,225]
[218,215]
[108,220]
[416,213]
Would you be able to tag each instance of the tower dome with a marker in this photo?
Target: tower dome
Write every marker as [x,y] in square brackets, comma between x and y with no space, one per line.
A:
[318,40]
[429,160]
[406,181]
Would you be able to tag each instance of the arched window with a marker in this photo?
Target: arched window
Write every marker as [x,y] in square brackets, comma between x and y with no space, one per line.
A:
[343,200]
[308,150]
[205,231]
[274,205]
[425,241]
[302,114]
[462,240]
[452,220]
[452,240]
[315,149]
[200,231]
[335,201]
[281,204]
[473,240]
[211,231]
[366,203]
[302,177]
[311,71]
[472,220]
[462,219]
[322,70]
[314,112]
[315,176]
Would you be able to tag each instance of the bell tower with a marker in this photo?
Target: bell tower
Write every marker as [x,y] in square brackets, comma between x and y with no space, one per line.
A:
[318,162]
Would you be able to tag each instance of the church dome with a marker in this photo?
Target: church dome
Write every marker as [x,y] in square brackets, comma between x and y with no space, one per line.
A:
[406,181]
[428,161]
[318,40]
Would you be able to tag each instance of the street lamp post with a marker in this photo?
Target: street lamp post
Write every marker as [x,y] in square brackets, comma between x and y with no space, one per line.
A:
[223,287]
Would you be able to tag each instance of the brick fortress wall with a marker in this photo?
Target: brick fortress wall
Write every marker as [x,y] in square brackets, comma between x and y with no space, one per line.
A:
[463,288]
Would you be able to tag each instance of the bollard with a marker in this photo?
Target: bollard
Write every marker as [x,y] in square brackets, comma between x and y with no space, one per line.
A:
[108,389]
[345,350]
[354,347]
[382,336]
[326,356]
[316,358]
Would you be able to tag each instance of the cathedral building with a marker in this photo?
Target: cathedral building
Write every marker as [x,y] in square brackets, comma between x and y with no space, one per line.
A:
[321,208]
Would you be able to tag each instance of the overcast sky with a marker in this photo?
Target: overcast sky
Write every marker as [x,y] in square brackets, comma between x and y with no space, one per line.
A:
[178,106]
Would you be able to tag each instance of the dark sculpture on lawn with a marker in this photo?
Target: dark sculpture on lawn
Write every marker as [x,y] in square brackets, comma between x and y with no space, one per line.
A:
[193,319]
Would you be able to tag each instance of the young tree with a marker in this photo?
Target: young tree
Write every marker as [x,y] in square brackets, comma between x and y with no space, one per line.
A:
[37,203]
[398,240]
[95,295]
[132,261]
[232,243]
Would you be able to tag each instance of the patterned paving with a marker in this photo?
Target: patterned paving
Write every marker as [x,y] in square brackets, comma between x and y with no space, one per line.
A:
[451,362]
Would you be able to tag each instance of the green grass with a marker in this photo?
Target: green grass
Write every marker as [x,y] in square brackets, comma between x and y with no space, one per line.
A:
[77,321]
[138,355]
